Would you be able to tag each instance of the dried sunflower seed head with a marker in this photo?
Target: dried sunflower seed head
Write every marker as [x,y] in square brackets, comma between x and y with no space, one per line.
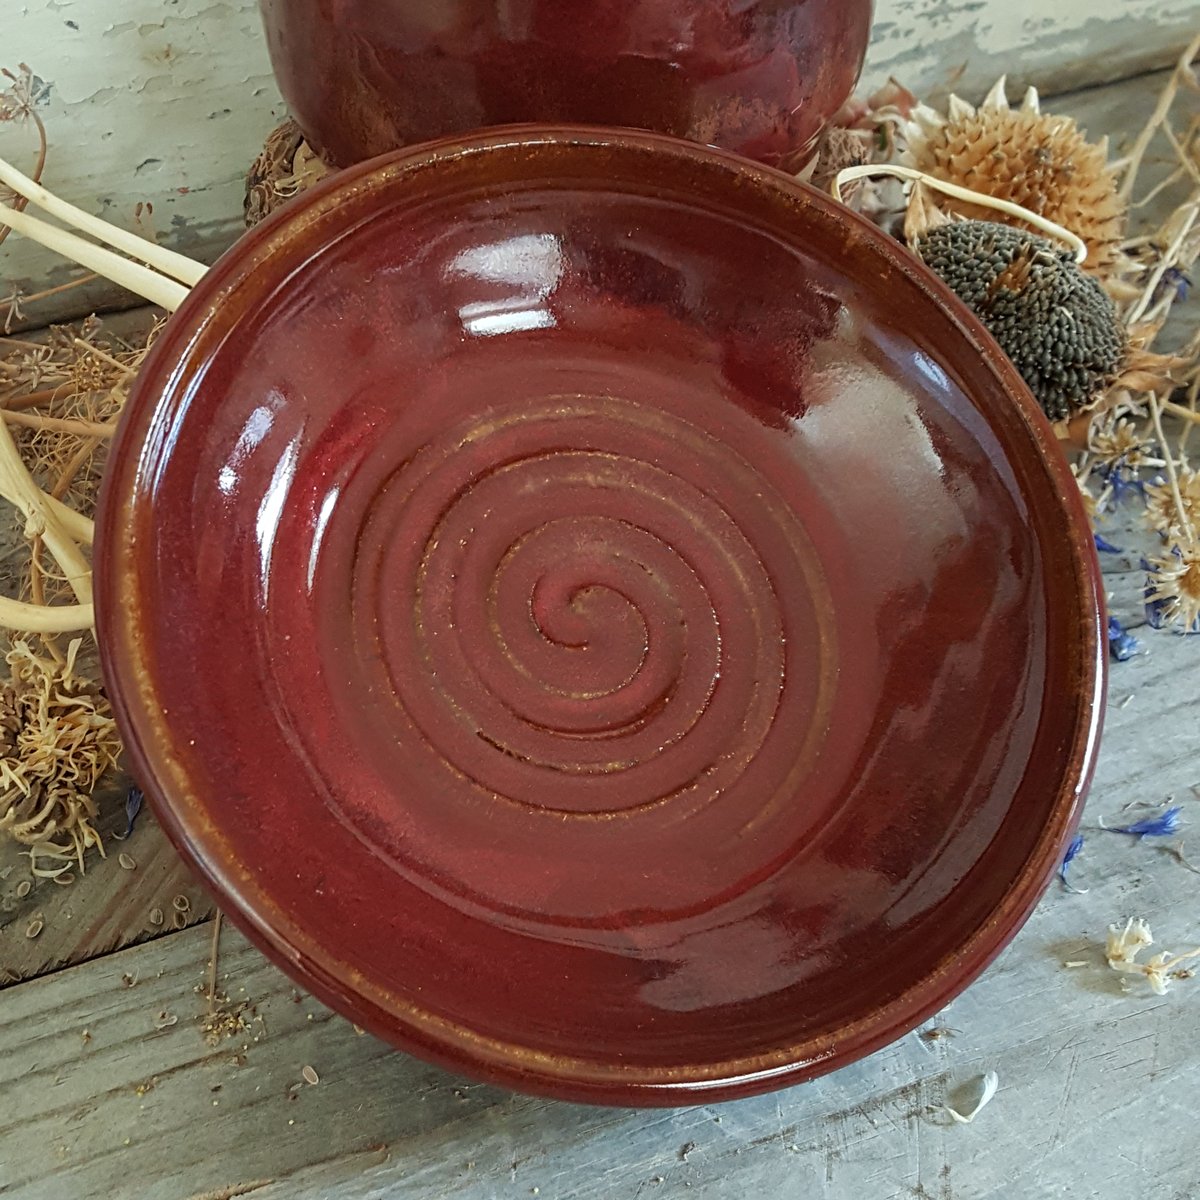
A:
[1056,324]
[1039,161]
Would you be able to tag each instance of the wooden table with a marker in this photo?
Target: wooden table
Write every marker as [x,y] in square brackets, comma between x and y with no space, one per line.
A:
[111,1087]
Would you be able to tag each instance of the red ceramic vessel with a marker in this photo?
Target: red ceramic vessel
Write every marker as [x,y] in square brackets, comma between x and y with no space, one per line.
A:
[757,76]
[600,615]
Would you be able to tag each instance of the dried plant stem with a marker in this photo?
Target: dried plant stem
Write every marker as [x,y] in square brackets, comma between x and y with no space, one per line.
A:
[67,476]
[88,429]
[171,264]
[17,485]
[1148,198]
[1192,209]
[1138,151]
[41,618]
[31,400]
[40,165]
[150,285]
[104,356]
[1178,410]
[1181,153]
[78,527]
[212,964]
[1180,510]
[1052,228]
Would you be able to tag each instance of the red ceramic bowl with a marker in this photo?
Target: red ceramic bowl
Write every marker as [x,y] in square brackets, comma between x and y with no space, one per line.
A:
[758,76]
[600,615]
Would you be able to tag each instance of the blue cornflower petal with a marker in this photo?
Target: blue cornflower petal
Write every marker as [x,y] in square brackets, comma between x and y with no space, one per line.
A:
[1072,850]
[1164,825]
[1105,546]
[1122,645]
[133,806]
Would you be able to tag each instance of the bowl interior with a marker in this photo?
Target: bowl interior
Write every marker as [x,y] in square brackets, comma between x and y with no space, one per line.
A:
[599,615]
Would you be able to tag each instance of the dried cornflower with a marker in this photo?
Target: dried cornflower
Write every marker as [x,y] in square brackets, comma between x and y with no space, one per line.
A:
[1122,645]
[1172,591]
[1164,514]
[1164,825]
[133,805]
[1072,853]
[1104,546]
[1125,944]
[1039,161]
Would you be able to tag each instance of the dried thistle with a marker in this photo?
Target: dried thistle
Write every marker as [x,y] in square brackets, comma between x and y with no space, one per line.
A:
[1173,515]
[1118,442]
[1173,588]
[59,741]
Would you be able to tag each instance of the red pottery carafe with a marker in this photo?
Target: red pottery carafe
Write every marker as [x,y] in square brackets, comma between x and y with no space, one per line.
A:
[760,77]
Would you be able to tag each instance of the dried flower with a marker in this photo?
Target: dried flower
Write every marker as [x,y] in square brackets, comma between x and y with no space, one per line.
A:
[1125,944]
[988,1085]
[1055,323]
[1119,443]
[1039,161]
[286,167]
[1072,852]
[1122,645]
[1172,591]
[1106,547]
[133,805]
[1162,512]
[65,743]
[1164,825]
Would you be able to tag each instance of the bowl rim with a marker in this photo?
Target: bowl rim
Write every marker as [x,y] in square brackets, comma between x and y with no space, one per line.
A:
[1026,436]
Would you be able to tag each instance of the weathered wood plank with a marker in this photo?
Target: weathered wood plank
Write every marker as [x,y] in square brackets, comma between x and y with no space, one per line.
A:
[169,103]
[104,909]
[1094,1080]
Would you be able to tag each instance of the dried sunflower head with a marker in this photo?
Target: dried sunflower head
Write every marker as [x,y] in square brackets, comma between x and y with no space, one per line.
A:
[1039,161]
[1055,323]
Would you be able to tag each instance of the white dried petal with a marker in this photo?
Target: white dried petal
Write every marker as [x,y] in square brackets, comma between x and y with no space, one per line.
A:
[988,1086]
[1124,945]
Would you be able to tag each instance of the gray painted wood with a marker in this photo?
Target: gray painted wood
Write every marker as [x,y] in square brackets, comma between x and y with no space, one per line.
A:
[1096,1092]
[1096,1083]
[168,101]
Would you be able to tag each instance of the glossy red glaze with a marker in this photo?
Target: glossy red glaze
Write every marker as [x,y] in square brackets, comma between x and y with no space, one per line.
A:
[757,76]
[600,615]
